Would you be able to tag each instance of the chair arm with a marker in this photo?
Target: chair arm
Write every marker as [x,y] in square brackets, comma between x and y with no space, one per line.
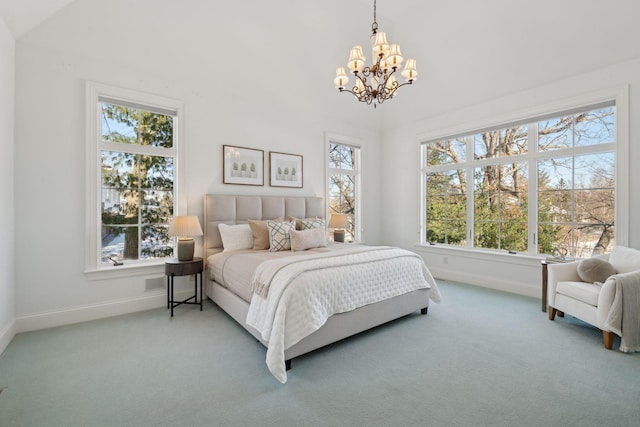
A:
[605,300]
[560,272]
[608,293]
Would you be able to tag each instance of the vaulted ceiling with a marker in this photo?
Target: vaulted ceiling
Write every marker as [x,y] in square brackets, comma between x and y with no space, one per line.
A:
[459,44]
[23,15]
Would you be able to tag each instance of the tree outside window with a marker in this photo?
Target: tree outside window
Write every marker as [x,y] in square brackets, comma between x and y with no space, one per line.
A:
[343,166]
[569,160]
[137,182]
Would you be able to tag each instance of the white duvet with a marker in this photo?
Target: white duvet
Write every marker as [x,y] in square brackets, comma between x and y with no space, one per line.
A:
[303,294]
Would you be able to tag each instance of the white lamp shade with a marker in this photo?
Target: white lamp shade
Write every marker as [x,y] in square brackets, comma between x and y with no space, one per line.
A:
[338,221]
[185,226]
[383,66]
[356,59]
[380,44]
[409,71]
[341,79]
[394,59]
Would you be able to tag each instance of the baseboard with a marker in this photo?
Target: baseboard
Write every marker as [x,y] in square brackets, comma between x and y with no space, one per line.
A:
[6,335]
[68,316]
[490,282]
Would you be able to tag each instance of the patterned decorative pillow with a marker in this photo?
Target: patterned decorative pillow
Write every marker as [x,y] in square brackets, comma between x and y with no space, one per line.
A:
[306,239]
[279,235]
[300,220]
[309,223]
[235,237]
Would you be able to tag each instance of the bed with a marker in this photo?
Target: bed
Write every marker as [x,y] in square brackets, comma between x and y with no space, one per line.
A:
[285,338]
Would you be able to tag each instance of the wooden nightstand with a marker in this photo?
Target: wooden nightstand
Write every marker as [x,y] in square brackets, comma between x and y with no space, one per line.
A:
[174,267]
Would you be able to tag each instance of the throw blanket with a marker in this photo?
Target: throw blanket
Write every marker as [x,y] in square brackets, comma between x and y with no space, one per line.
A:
[624,316]
[301,297]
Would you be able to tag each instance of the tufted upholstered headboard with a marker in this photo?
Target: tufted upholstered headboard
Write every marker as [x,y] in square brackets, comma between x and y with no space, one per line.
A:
[238,209]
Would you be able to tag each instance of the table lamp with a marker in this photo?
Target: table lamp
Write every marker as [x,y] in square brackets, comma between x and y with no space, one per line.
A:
[185,227]
[338,222]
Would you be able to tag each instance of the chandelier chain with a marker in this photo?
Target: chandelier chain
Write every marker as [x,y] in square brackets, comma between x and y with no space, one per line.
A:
[374,26]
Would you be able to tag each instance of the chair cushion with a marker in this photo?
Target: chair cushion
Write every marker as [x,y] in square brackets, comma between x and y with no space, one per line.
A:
[586,292]
[625,260]
[593,270]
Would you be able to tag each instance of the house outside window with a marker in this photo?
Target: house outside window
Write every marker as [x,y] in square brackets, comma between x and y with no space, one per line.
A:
[541,186]
[134,161]
[343,186]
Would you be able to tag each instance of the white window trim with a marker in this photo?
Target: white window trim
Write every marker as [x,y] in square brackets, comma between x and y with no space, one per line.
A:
[94,91]
[620,96]
[357,172]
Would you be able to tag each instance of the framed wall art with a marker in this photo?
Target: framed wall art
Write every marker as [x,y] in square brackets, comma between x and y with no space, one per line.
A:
[285,170]
[244,166]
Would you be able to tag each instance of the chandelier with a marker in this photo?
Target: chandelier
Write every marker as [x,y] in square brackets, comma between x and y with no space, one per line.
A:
[376,83]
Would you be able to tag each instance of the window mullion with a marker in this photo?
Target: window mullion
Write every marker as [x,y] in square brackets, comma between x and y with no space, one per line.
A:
[532,147]
[470,192]
[136,149]
[140,208]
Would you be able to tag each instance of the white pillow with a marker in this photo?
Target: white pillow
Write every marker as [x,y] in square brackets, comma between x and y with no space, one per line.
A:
[625,260]
[236,237]
[595,270]
[279,235]
[306,239]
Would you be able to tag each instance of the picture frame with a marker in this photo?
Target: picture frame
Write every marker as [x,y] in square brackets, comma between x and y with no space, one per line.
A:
[285,170]
[242,166]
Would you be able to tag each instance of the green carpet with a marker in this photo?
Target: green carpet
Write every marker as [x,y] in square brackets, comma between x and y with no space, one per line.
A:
[481,358]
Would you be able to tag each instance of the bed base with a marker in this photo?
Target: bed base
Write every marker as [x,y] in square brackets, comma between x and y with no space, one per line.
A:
[237,209]
[338,327]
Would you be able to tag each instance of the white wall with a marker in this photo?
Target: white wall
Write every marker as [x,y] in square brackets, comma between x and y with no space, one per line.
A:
[201,53]
[401,170]
[258,74]
[7,234]
[50,173]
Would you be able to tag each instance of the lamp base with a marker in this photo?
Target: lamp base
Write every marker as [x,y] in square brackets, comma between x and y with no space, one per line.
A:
[338,236]
[186,248]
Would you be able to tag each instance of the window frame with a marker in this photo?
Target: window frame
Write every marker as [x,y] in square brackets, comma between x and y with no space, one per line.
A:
[95,94]
[356,172]
[618,97]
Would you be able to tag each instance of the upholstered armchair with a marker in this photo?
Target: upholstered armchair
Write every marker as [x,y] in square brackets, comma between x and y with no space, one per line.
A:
[590,290]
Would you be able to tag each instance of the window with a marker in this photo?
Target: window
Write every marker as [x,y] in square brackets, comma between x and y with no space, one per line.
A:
[343,187]
[133,158]
[541,186]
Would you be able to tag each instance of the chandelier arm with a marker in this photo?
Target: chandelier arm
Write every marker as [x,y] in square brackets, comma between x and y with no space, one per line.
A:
[350,91]
[362,77]
[366,72]
[404,84]
[361,98]
[394,88]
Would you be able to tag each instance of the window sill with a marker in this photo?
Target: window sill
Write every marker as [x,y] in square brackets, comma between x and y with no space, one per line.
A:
[132,270]
[485,254]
